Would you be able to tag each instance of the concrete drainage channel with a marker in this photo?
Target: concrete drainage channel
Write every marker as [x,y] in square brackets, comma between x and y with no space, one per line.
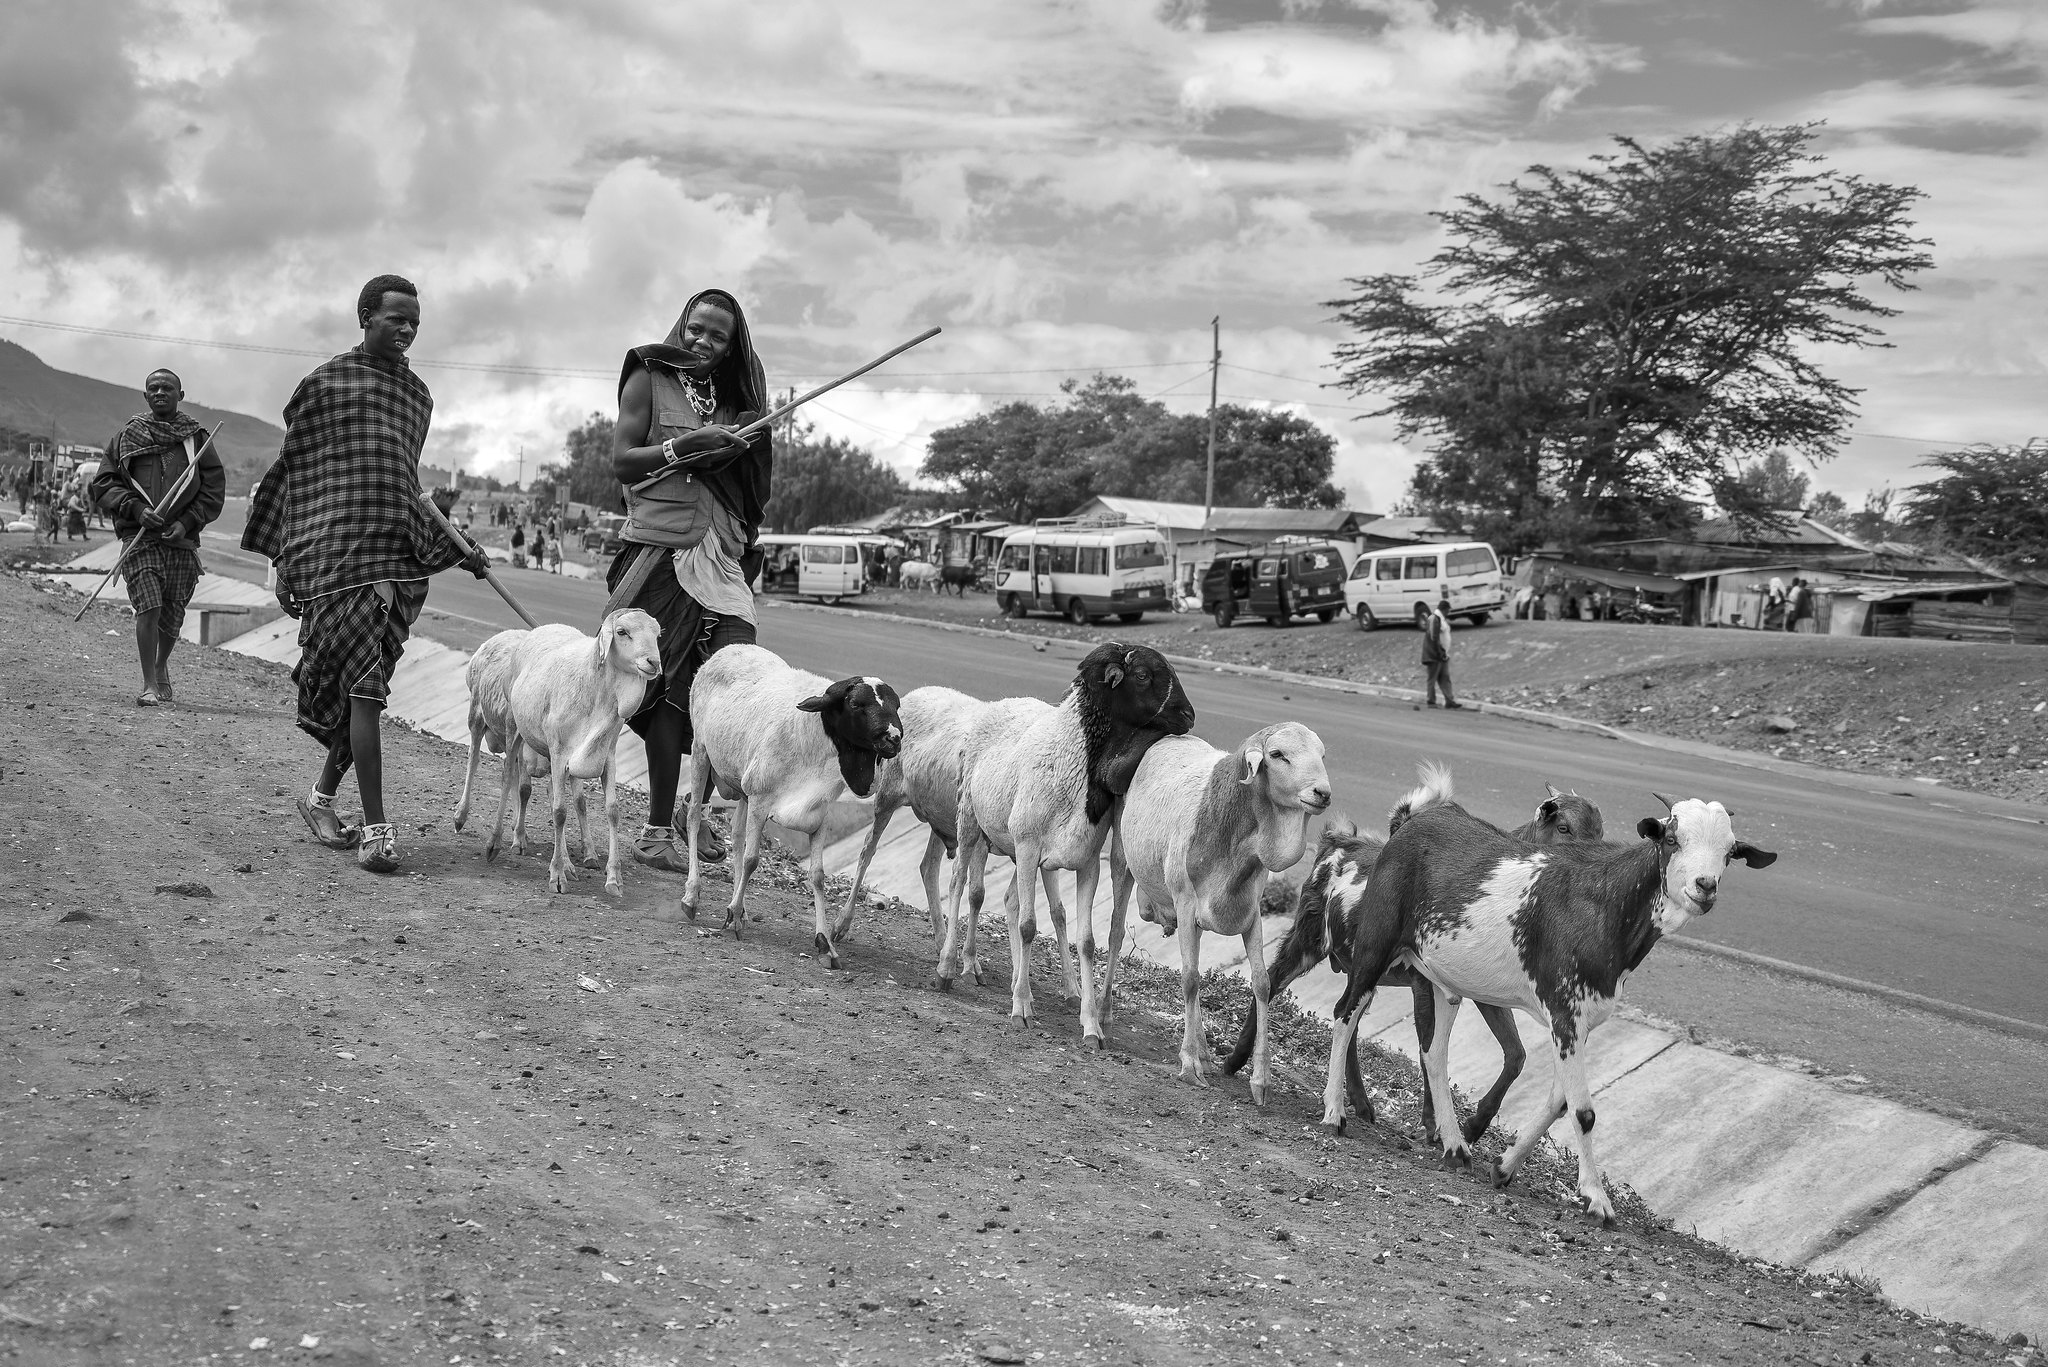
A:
[1949,1220]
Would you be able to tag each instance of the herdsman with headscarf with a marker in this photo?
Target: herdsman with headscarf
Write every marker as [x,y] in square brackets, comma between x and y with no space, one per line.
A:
[690,533]
[144,462]
[339,514]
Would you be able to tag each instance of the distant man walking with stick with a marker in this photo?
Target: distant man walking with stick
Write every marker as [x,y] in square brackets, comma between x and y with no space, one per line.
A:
[340,515]
[1436,652]
[148,459]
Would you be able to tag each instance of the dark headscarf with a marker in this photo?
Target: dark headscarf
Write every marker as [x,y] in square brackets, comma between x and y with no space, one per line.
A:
[738,376]
[742,388]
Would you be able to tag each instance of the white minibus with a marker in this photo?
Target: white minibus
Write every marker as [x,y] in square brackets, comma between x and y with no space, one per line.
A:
[1386,585]
[827,567]
[1082,568]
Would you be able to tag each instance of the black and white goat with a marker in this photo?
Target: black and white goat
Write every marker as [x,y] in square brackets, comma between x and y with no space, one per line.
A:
[1037,783]
[784,743]
[1552,932]
[1329,900]
[1196,837]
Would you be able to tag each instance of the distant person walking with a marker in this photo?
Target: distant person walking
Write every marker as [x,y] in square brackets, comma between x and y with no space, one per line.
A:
[1799,607]
[1775,599]
[161,567]
[518,545]
[1436,652]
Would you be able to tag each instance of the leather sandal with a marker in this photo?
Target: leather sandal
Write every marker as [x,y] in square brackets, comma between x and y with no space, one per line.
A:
[325,824]
[149,698]
[379,852]
[668,849]
[163,688]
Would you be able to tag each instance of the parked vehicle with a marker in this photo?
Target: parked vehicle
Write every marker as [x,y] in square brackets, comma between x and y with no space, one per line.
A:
[602,535]
[1386,585]
[1083,569]
[1278,583]
[827,567]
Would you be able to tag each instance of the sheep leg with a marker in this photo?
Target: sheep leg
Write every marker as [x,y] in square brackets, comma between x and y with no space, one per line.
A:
[860,871]
[1120,884]
[1533,1129]
[693,814]
[977,893]
[928,875]
[508,779]
[589,860]
[612,881]
[1085,879]
[1424,1017]
[1057,910]
[558,808]
[1343,1038]
[476,752]
[752,817]
[1023,904]
[1571,1072]
[1500,1020]
[1191,1046]
[823,940]
[1289,963]
[1436,1061]
[519,821]
[964,870]
[1262,988]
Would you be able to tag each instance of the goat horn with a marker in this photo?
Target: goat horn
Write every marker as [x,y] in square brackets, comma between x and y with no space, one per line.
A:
[1551,788]
[1665,800]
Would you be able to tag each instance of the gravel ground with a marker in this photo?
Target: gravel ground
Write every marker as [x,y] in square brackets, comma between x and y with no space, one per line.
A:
[1968,715]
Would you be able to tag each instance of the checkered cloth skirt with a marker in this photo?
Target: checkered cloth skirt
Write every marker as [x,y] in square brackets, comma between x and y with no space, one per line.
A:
[349,644]
[163,578]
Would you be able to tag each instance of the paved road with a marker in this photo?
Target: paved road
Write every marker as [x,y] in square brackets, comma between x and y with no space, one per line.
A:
[1950,904]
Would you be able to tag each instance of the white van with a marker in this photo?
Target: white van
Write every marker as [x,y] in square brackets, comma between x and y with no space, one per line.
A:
[1386,585]
[1085,569]
[827,567]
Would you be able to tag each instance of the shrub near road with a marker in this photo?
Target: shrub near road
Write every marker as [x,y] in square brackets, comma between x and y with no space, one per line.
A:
[1970,715]
[266,1107]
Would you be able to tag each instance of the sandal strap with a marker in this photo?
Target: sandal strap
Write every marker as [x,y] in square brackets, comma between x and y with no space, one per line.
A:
[382,830]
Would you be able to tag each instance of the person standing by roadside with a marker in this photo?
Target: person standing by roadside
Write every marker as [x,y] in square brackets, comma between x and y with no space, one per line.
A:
[1798,605]
[161,566]
[339,514]
[691,536]
[1436,652]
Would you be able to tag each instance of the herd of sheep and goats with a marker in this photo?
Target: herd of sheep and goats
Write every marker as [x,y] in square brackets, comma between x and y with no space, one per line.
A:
[1547,919]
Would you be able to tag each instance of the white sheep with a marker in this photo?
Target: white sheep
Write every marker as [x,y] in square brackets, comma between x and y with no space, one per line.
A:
[489,676]
[569,696]
[784,743]
[1037,783]
[919,574]
[1197,835]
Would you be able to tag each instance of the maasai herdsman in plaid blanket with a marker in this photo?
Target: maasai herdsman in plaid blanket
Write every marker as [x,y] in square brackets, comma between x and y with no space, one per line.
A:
[144,463]
[339,514]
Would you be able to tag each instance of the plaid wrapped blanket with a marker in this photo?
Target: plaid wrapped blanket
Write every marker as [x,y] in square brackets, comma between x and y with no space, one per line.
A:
[161,576]
[340,507]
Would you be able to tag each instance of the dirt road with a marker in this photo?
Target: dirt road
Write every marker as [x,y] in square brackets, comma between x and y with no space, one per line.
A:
[264,1107]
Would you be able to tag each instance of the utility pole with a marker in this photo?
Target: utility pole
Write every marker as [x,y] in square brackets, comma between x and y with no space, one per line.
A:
[520,483]
[1215,363]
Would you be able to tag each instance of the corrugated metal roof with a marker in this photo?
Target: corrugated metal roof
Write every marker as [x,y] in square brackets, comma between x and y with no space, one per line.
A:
[1192,517]
[1616,579]
[1928,590]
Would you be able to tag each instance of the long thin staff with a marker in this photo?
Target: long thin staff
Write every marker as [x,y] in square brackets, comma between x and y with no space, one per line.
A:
[759,423]
[170,498]
[467,548]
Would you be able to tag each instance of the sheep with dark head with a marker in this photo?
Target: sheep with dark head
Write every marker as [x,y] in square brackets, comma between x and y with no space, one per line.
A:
[1037,783]
[785,743]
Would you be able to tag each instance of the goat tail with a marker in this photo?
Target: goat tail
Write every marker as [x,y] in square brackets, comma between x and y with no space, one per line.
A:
[1434,791]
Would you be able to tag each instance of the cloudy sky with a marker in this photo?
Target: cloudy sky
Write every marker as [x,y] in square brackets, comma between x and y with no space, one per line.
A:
[1064,185]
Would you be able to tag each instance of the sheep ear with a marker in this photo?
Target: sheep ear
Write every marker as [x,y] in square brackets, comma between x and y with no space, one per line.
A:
[1113,675]
[1650,828]
[607,634]
[816,704]
[1548,811]
[1253,758]
[1751,855]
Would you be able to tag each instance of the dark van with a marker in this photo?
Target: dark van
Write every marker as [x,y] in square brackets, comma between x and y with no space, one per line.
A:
[1278,583]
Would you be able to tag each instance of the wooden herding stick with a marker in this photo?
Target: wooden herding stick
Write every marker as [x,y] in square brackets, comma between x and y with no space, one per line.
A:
[468,548]
[760,423]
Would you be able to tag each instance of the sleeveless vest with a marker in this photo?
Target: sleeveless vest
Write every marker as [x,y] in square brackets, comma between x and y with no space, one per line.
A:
[679,510]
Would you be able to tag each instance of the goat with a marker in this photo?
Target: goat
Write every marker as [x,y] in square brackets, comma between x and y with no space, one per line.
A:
[1552,932]
[784,743]
[1197,833]
[919,574]
[1038,783]
[569,696]
[1329,900]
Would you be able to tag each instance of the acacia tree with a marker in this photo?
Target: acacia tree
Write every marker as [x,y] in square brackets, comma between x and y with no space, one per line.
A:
[1597,343]
[1990,501]
[822,481]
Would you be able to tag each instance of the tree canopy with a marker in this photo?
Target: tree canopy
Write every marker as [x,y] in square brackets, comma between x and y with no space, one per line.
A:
[1597,345]
[1989,501]
[824,481]
[1029,461]
[587,466]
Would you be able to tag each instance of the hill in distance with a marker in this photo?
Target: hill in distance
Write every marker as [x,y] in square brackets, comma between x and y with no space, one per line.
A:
[91,411]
